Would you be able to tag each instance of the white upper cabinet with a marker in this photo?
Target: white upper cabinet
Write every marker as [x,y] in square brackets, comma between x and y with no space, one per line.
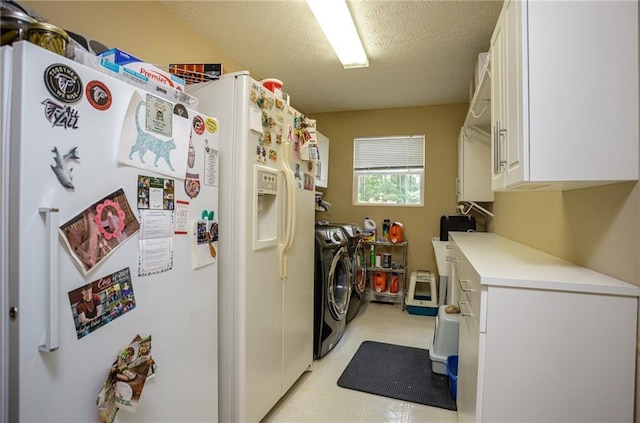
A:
[564,94]
[322,166]
[474,158]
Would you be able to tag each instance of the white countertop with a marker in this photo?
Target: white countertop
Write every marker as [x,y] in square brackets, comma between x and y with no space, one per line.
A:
[502,262]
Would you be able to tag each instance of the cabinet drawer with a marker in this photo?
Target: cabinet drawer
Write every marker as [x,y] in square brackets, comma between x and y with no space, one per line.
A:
[469,286]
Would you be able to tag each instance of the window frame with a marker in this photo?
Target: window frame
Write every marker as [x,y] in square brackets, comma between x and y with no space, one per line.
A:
[387,170]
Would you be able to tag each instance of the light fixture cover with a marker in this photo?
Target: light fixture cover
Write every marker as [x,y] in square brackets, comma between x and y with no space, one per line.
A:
[336,23]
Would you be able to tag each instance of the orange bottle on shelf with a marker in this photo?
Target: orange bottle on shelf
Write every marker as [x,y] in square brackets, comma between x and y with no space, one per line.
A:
[394,286]
[380,282]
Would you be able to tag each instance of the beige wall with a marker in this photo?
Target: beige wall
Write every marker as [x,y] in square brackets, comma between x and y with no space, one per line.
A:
[440,125]
[145,29]
[595,227]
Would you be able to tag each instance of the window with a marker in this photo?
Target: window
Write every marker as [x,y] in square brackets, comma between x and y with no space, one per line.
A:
[388,170]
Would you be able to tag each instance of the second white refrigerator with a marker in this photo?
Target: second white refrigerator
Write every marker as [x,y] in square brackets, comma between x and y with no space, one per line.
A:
[267,208]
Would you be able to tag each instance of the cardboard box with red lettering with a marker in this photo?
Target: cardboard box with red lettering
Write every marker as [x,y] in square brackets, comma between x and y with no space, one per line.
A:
[145,69]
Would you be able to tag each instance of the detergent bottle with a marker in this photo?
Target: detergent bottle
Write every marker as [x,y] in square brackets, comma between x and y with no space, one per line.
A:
[369,224]
[395,232]
[386,225]
[372,258]
[380,282]
[394,286]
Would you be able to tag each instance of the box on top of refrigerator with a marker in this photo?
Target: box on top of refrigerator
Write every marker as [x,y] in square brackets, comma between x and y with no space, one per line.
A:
[148,70]
[193,73]
[134,78]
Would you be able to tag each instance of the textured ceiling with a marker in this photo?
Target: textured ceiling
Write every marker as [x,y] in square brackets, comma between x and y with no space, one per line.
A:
[420,52]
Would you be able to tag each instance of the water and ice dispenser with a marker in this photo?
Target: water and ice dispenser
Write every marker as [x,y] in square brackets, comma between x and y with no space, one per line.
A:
[265,208]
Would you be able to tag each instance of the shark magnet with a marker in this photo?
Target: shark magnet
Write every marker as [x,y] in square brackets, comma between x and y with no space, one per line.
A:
[62,169]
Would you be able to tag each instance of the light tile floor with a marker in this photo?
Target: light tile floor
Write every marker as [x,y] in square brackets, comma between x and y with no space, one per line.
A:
[316,397]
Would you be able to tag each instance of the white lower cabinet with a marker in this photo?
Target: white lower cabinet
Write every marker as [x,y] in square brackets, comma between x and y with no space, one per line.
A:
[547,341]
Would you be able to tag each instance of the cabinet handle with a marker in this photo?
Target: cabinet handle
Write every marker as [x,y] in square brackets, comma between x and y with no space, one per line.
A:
[502,162]
[460,307]
[496,159]
[463,287]
[498,162]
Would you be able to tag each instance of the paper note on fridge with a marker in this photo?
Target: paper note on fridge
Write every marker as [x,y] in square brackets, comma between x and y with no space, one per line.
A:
[155,136]
[155,243]
[255,121]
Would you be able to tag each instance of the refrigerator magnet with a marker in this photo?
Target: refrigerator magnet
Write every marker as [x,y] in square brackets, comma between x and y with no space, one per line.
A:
[262,101]
[267,137]
[181,111]
[191,156]
[62,169]
[98,95]
[273,155]
[63,83]
[109,212]
[192,185]
[198,125]
[60,116]
[212,125]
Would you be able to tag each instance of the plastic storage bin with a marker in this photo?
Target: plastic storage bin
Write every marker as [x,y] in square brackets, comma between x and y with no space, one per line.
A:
[452,371]
[445,340]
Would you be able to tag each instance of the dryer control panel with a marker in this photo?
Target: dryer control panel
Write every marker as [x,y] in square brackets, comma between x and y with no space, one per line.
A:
[331,237]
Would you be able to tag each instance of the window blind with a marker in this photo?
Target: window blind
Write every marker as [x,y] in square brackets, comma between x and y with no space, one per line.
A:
[391,153]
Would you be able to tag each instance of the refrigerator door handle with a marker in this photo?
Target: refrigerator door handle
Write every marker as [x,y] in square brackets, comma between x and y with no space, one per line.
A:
[291,206]
[51,342]
[290,220]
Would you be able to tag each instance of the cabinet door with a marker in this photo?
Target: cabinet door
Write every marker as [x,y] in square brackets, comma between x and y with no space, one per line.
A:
[513,124]
[474,159]
[497,53]
[468,345]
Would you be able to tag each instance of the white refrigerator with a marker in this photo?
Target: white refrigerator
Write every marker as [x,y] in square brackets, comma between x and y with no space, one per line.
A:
[108,220]
[267,207]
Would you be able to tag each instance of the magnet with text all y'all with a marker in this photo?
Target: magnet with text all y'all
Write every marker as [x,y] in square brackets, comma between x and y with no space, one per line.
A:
[60,116]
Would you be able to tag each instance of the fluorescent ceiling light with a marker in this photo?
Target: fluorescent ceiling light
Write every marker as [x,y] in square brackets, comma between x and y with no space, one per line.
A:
[336,22]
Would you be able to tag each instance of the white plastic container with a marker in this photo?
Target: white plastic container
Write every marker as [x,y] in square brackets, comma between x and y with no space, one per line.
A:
[445,340]
[369,224]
